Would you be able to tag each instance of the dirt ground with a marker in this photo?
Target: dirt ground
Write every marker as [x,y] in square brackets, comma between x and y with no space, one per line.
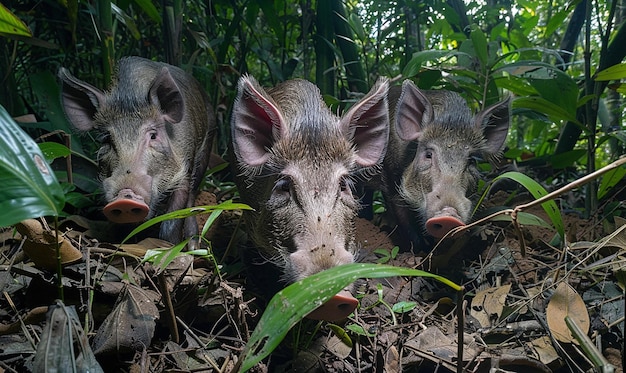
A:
[130,316]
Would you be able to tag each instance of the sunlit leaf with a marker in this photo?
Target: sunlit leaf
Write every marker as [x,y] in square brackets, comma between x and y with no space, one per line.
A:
[10,24]
[29,187]
[297,300]
[614,72]
[183,213]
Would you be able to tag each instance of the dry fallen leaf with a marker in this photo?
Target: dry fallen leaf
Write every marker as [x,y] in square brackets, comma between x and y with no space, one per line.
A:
[566,302]
[488,304]
[130,326]
[546,352]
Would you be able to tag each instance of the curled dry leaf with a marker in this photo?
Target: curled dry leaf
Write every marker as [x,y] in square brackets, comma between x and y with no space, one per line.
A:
[566,302]
[130,326]
[488,304]
[40,245]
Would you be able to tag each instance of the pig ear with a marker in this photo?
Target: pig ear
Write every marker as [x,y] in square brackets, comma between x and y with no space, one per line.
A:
[366,124]
[80,100]
[413,112]
[164,93]
[256,122]
[494,122]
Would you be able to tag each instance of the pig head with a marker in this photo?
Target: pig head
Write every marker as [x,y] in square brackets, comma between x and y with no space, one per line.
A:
[429,169]
[297,163]
[155,126]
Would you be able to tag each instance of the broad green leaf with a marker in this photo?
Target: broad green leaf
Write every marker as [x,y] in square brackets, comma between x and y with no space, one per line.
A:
[610,179]
[404,306]
[555,22]
[525,218]
[183,213]
[412,68]
[555,112]
[150,9]
[479,42]
[357,26]
[614,72]
[537,191]
[161,258]
[10,24]
[54,150]
[297,300]
[551,83]
[29,187]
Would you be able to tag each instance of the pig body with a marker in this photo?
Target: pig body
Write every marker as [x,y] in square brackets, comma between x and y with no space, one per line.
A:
[296,162]
[429,170]
[156,126]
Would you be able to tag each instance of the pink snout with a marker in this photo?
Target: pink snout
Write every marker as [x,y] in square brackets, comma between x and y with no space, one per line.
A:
[127,207]
[336,308]
[439,226]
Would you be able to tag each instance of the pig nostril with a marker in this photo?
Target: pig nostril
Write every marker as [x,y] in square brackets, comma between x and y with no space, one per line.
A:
[136,211]
[116,212]
[345,307]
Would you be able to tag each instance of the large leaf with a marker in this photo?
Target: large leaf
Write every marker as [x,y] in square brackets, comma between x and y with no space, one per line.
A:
[615,72]
[552,84]
[11,25]
[130,326]
[64,346]
[29,187]
[297,300]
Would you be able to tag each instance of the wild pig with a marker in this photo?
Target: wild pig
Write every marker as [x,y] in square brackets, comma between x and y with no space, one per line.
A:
[156,128]
[429,170]
[296,163]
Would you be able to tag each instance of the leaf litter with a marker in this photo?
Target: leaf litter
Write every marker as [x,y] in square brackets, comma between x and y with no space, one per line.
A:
[115,308]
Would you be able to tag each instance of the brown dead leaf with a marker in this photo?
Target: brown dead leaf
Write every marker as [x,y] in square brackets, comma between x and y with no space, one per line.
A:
[566,302]
[488,304]
[64,346]
[545,351]
[40,244]
[130,326]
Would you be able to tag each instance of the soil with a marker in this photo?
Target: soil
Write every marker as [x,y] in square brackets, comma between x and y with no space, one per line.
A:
[198,312]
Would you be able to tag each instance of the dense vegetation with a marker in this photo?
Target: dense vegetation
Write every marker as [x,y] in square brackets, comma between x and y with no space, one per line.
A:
[561,61]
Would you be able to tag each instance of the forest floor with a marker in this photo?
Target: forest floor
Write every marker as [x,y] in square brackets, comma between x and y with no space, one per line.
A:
[130,316]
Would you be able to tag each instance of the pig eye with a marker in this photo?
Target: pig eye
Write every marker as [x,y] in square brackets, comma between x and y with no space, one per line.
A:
[344,185]
[104,138]
[428,154]
[283,185]
[153,135]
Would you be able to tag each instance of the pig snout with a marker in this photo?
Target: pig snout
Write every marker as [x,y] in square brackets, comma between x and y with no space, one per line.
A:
[446,208]
[336,308]
[442,223]
[127,207]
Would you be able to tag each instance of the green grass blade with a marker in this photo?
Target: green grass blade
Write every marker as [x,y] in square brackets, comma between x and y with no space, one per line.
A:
[191,211]
[297,300]
[537,192]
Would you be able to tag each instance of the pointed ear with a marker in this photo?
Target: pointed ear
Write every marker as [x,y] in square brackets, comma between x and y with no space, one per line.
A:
[366,124]
[80,100]
[413,112]
[165,94]
[256,122]
[494,122]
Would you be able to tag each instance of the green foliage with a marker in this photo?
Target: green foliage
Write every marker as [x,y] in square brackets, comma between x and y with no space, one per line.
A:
[297,300]
[29,187]
[537,191]
[187,212]
[10,25]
